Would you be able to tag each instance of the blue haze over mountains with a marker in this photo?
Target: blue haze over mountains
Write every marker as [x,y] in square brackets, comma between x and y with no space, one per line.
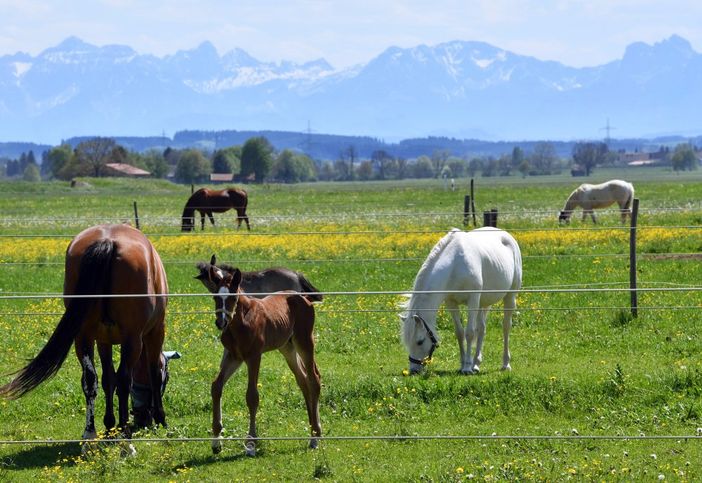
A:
[465,90]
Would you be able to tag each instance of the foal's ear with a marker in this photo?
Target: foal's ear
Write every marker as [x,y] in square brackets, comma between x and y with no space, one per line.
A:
[236,278]
[213,260]
[205,278]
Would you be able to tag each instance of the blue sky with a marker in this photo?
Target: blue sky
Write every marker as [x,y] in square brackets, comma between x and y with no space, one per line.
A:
[576,33]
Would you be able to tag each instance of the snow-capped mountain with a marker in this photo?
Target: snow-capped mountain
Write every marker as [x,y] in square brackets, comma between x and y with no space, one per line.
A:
[461,89]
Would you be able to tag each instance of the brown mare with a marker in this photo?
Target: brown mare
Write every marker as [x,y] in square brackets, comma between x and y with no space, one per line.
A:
[106,260]
[250,327]
[208,201]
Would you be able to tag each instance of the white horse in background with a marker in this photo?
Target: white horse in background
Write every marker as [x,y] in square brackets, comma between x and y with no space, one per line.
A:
[487,262]
[591,196]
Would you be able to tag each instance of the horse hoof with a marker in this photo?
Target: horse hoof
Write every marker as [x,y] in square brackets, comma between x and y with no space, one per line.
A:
[507,368]
[128,450]
[466,372]
[314,443]
[250,450]
[217,445]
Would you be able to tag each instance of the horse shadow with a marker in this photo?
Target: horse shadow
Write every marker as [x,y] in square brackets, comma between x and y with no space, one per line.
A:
[38,456]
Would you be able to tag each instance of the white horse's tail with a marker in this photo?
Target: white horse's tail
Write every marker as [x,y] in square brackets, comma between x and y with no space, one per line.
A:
[630,201]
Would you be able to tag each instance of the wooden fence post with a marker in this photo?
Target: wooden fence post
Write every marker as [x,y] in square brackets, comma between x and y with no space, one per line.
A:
[632,259]
[136,215]
[490,218]
[472,202]
[192,188]
[466,210]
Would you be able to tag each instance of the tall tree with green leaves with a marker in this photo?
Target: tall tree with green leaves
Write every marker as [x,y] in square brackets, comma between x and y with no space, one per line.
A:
[684,158]
[256,158]
[192,166]
[589,155]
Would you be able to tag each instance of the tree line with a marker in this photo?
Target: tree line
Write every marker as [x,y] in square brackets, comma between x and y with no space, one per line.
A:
[256,160]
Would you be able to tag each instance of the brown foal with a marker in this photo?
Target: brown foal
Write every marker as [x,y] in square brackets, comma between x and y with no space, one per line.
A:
[250,327]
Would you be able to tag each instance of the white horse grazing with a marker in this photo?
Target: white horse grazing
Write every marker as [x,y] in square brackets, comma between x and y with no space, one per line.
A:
[486,260]
[590,196]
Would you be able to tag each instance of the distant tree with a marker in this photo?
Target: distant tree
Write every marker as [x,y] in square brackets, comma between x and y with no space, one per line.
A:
[327,171]
[402,168]
[517,157]
[543,159]
[350,155]
[422,168]
[588,155]
[365,170]
[152,161]
[490,167]
[227,160]
[684,158]
[504,165]
[31,173]
[192,166]
[256,158]
[291,167]
[475,165]
[524,167]
[457,166]
[439,159]
[382,161]
[97,152]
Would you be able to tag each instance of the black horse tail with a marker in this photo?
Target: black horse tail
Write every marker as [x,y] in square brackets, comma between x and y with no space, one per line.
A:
[93,279]
[308,287]
[188,218]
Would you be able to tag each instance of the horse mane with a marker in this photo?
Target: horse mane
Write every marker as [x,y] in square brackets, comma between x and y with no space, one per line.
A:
[409,305]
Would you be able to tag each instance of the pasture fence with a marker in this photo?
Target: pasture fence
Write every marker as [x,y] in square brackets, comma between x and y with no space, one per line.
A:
[374,437]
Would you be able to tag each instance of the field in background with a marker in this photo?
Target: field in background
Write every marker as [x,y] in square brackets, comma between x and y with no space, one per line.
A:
[581,365]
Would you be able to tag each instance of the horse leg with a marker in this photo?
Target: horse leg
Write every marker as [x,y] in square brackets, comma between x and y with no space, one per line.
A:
[241,215]
[130,352]
[510,303]
[153,342]
[86,352]
[473,306]
[482,322]
[202,221]
[300,359]
[211,217]
[460,335]
[109,383]
[253,365]
[227,367]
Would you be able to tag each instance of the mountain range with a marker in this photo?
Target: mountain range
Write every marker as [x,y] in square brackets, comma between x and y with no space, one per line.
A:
[458,89]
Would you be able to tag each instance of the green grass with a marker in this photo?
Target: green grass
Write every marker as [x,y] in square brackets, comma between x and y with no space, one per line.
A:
[584,368]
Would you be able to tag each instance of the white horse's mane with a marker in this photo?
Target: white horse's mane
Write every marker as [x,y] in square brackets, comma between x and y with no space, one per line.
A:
[408,305]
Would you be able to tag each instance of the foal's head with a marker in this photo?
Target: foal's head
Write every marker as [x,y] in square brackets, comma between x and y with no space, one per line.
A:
[225,286]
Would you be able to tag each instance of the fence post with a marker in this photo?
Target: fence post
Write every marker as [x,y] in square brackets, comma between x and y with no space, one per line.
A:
[192,188]
[466,210]
[632,258]
[472,202]
[136,215]
[493,217]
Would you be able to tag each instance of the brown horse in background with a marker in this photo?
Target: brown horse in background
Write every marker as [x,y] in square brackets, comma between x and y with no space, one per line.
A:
[106,260]
[208,201]
[250,327]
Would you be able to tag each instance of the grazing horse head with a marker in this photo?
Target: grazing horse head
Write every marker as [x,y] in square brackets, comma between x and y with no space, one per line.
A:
[564,217]
[424,342]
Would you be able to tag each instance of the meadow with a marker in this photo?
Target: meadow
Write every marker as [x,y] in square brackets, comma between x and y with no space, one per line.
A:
[584,371]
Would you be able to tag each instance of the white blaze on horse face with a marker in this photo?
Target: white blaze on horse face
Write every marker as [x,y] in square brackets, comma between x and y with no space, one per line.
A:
[223,316]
